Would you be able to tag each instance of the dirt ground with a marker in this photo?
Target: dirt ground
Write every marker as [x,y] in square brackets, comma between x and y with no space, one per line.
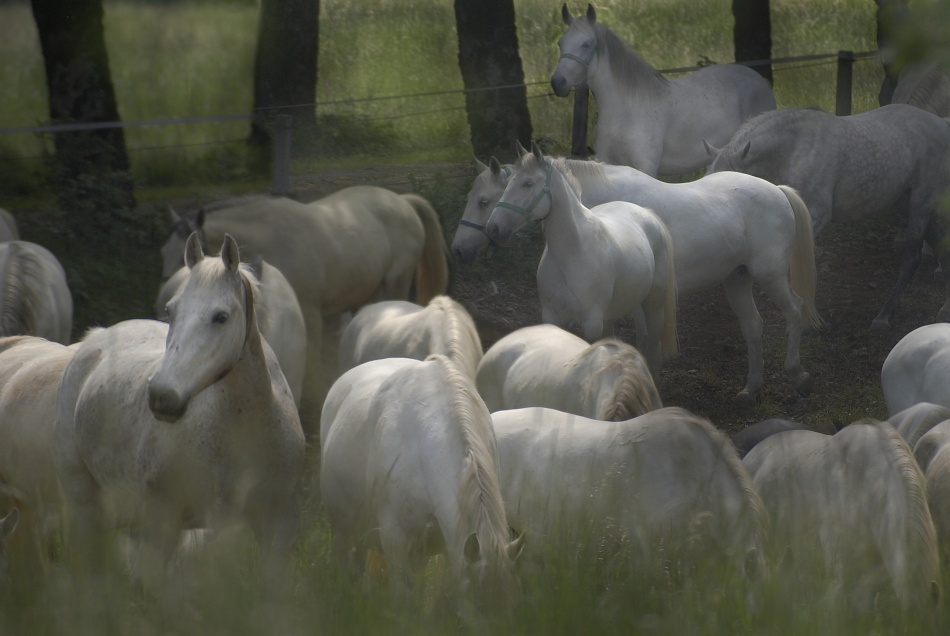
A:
[857,267]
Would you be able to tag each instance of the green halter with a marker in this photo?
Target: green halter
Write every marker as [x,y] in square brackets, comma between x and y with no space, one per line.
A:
[526,211]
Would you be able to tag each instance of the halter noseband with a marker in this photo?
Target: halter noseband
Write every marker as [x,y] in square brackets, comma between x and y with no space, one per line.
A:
[481,228]
[526,211]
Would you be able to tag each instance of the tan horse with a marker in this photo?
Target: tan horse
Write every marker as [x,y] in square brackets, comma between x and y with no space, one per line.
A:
[359,245]
[400,329]
[31,369]
[164,427]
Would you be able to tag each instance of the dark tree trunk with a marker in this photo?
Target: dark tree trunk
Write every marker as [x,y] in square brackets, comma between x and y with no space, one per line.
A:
[752,33]
[488,57]
[92,178]
[285,69]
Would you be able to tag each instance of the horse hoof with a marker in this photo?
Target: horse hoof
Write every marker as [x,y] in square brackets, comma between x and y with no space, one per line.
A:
[745,398]
[804,385]
[880,325]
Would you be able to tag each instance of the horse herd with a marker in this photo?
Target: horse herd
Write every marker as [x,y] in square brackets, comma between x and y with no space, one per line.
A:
[293,362]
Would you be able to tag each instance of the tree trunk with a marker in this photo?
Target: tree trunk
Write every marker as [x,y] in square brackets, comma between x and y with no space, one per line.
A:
[92,178]
[285,70]
[752,33]
[891,14]
[488,58]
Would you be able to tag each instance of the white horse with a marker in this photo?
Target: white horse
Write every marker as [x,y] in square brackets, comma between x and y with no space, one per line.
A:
[543,365]
[892,159]
[914,421]
[278,314]
[34,296]
[401,329]
[853,507]
[599,264]
[8,227]
[660,482]
[31,369]
[645,120]
[408,466]
[164,427]
[359,245]
[932,452]
[917,369]
[730,229]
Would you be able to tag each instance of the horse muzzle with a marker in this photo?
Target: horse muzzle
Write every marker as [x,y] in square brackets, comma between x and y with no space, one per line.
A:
[560,85]
[167,404]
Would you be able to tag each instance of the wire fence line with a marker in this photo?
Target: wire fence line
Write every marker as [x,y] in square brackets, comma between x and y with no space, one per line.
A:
[821,58]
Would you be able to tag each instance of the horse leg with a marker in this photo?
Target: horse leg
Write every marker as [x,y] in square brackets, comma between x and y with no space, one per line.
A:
[935,238]
[738,289]
[650,344]
[917,223]
[778,289]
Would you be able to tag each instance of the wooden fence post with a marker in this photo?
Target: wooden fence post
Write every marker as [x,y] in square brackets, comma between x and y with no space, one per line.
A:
[579,123]
[280,175]
[843,94]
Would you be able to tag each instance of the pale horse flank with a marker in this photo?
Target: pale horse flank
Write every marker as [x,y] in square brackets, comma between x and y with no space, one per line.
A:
[31,369]
[359,245]
[932,453]
[165,427]
[666,485]
[544,365]
[645,120]
[917,369]
[599,264]
[401,329]
[408,467]
[34,296]
[852,509]
[893,159]
[730,229]
[278,314]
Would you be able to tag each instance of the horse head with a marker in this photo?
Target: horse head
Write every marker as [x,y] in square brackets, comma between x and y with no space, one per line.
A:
[489,185]
[183,226]
[578,48]
[527,196]
[211,321]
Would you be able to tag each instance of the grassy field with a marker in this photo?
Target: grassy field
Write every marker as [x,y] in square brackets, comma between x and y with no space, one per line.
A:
[191,59]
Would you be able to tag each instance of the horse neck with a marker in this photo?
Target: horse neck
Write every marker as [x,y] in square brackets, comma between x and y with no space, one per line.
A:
[452,337]
[565,223]
[622,78]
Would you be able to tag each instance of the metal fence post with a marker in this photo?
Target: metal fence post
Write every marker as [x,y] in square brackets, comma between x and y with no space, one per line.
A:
[843,94]
[579,123]
[280,176]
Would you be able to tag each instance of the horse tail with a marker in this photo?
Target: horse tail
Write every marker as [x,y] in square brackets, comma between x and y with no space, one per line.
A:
[432,275]
[634,392]
[669,341]
[909,541]
[802,268]
[463,346]
[16,310]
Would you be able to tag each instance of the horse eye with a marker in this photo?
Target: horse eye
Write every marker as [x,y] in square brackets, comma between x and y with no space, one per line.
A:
[483,203]
[586,45]
[220,318]
[529,183]
[169,311]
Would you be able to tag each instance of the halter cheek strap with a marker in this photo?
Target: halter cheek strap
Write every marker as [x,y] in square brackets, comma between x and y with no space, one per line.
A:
[545,191]
[580,60]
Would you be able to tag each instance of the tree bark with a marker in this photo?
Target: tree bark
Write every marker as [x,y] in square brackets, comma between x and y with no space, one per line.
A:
[891,15]
[752,33]
[285,69]
[489,58]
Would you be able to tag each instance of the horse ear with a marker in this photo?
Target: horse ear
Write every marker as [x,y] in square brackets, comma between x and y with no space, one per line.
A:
[230,254]
[193,251]
[8,523]
[472,549]
[711,150]
[256,265]
[520,149]
[494,166]
[536,151]
[745,150]
[479,166]
[566,15]
[515,548]
[173,216]
[591,14]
